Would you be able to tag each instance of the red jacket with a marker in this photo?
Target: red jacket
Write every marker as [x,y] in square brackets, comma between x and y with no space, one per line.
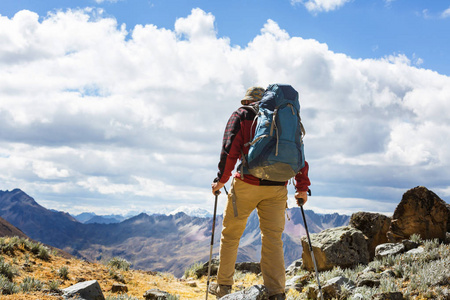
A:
[239,130]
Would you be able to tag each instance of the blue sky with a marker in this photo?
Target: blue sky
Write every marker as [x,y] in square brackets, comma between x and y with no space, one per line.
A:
[119,106]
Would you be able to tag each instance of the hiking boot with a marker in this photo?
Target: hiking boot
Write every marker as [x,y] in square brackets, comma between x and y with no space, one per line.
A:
[281,296]
[219,290]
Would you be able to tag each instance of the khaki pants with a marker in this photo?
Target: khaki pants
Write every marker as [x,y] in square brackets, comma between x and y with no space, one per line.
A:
[270,202]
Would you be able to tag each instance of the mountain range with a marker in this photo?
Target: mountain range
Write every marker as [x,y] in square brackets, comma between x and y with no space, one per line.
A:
[168,243]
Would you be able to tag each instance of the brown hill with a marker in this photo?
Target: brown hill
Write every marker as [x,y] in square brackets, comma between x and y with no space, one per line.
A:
[6,229]
[51,273]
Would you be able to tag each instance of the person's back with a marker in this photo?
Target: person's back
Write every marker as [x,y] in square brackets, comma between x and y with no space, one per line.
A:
[247,193]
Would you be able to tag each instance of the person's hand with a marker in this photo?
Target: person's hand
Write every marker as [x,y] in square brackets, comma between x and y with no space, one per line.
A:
[301,198]
[216,186]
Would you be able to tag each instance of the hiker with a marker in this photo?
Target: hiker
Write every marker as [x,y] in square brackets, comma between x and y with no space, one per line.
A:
[247,193]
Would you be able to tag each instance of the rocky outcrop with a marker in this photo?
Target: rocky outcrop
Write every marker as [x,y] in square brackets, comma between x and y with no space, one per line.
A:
[419,212]
[342,246]
[448,220]
[374,226]
[87,290]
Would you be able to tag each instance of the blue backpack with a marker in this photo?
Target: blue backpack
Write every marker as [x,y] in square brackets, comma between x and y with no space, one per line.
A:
[276,151]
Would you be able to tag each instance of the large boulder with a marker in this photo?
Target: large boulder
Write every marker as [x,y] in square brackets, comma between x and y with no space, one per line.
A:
[87,290]
[448,220]
[340,246]
[374,226]
[422,212]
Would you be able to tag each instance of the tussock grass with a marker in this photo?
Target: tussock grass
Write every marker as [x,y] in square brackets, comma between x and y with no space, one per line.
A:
[424,275]
[191,270]
[119,263]
[63,272]
[30,284]
[25,275]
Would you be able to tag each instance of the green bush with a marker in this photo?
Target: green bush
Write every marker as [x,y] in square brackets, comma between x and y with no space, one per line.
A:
[6,269]
[30,284]
[7,287]
[190,271]
[116,275]
[119,263]
[63,273]
[53,285]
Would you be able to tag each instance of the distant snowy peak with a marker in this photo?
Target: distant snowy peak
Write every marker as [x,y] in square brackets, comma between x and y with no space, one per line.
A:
[192,211]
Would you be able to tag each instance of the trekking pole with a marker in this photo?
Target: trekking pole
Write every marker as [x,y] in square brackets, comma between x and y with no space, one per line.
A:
[212,242]
[312,252]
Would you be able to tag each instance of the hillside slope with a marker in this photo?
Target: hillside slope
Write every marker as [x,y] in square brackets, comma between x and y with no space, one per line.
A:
[151,242]
[6,229]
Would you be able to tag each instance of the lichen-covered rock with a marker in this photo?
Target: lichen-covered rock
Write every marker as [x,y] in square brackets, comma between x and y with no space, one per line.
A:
[389,249]
[297,282]
[87,290]
[255,292]
[419,212]
[341,246]
[374,226]
[294,267]
[369,279]
[332,289]
[156,294]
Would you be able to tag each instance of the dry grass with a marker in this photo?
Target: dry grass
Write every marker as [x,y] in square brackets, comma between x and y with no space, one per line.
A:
[26,264]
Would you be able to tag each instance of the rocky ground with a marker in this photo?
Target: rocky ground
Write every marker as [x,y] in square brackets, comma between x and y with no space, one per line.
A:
[375,257]
[27,271]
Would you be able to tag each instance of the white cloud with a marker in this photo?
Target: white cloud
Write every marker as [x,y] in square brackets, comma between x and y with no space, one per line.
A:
[446,13]
[93,115]
[321,5]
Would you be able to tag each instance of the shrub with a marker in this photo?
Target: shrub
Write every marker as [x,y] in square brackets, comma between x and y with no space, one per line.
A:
[34,248]
[116,276]
[53,285]
[416,238]
[30,284]
[43,253]
[191,271]
[6,269]
[119,263]
[7,287]
[25,243]
[63,273]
